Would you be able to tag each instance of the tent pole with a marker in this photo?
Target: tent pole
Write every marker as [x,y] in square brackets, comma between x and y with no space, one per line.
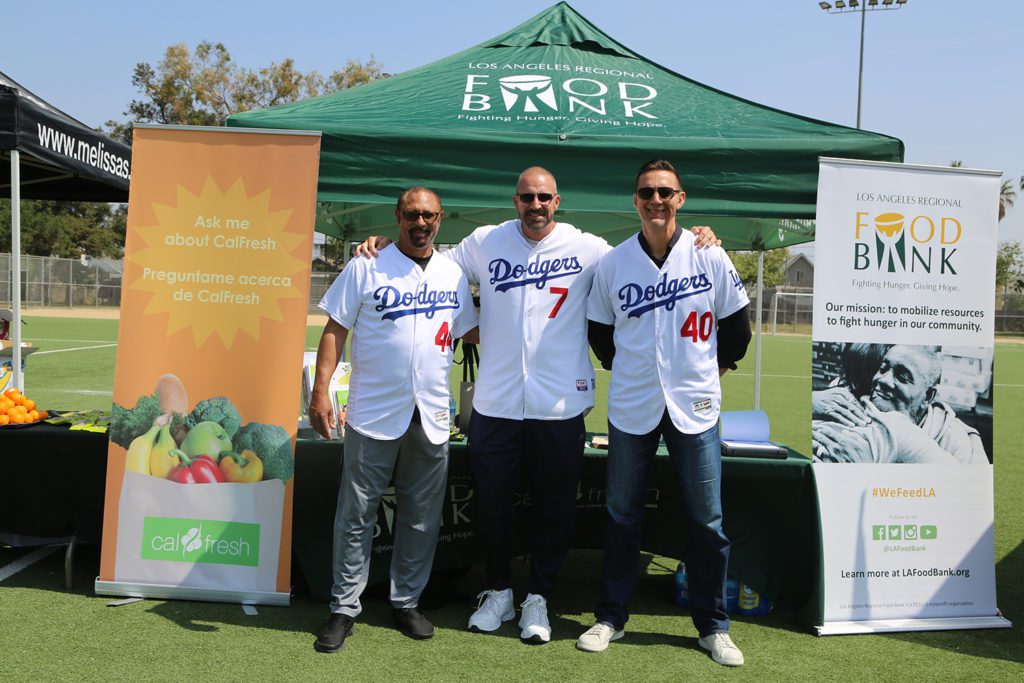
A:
[16,266]
[757,336]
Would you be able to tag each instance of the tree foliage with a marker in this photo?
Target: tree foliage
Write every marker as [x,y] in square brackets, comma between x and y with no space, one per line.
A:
[66,229]
[1007,195]
[1010,266]
[203,87]
[774,266]
[200,87]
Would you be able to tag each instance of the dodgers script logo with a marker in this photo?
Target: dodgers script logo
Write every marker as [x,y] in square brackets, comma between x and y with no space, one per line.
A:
[666,293]
[537,272]
[424,301]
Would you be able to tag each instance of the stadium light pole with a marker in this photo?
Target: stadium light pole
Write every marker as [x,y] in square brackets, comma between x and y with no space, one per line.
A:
[862,6]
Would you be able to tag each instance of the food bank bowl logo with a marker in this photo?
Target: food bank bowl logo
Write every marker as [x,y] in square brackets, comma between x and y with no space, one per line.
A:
[892,242]
[531,88]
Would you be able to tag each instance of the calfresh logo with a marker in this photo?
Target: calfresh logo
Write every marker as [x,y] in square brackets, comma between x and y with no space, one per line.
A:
[893,242]
[201,541]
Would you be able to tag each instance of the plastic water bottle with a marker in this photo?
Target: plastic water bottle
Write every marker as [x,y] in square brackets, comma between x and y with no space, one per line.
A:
[732,596]
[682,592]
[451,412]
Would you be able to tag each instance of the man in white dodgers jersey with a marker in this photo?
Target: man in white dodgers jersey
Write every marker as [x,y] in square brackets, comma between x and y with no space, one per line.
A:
[405,309]
[535,386]
[669,320]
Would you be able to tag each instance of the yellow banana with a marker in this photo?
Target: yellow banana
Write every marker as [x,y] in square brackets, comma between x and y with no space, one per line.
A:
[139,451]
[160,459]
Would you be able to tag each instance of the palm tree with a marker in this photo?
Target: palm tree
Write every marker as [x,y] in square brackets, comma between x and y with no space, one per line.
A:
[1007,196]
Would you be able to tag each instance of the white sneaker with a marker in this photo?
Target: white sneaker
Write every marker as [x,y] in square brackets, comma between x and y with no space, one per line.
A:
[722,649]
[597,637]
[493,607]
[534,620]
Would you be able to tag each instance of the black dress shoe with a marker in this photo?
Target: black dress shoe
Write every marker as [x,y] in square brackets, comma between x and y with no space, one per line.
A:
[413,623]
[332,636]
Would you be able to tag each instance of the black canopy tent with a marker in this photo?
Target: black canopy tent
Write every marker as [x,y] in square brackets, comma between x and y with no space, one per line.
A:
[46,154]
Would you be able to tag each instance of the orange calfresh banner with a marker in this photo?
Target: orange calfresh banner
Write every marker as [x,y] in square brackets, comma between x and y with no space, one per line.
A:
[213,325]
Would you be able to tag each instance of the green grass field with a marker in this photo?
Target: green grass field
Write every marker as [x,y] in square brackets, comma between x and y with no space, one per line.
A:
[49,634]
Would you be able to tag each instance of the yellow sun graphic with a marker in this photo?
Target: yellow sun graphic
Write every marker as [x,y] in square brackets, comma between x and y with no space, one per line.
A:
[217,262]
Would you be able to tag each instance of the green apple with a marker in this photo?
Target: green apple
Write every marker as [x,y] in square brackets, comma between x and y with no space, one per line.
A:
[206,438]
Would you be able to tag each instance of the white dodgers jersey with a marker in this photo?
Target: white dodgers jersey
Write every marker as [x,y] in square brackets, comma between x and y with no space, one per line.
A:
[403,320]
[666,340]
[534,358]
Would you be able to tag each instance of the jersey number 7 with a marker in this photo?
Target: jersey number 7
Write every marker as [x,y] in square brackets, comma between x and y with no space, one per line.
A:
[562,292]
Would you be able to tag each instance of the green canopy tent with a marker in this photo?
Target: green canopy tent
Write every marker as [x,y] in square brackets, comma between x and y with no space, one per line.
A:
[558,92]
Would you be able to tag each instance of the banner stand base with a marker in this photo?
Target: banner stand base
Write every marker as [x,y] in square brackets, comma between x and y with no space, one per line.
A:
[166,592]
[839,628]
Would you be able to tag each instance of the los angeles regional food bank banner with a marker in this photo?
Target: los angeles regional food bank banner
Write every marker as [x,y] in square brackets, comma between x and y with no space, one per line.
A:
[902,395]
[213,322]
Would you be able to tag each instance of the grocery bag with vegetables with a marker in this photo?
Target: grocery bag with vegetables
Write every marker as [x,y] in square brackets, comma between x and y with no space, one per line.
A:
[207,444]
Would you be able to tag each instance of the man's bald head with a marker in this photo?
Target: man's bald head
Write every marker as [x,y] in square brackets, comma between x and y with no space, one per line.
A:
[535,172]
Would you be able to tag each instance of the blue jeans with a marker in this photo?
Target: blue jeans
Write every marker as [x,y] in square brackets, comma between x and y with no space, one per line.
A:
[696,458]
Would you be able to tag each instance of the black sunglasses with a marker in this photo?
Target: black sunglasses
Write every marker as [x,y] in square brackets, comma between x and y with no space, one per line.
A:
[542,197]
[428,216]
[646,193]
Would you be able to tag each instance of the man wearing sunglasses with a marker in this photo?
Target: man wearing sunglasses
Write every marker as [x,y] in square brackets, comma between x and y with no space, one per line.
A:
[668,320]
[405,310]
[535,386]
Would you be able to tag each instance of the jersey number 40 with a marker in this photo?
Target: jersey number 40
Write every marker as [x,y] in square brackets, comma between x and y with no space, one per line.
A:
[695,328]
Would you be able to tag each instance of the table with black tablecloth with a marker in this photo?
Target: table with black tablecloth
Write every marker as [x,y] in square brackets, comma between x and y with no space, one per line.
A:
[54,484]
[769,506]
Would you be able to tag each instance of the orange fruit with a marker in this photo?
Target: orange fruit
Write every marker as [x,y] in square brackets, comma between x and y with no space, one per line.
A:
[11,391]
[17,419]
[43,415]
[34,414]
[4,420]
[18,399]
[30,404]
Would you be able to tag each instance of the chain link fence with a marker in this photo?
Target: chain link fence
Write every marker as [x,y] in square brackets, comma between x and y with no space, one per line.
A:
[49,282]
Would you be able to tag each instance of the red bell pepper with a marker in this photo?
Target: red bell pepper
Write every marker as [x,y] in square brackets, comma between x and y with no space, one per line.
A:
[201,469]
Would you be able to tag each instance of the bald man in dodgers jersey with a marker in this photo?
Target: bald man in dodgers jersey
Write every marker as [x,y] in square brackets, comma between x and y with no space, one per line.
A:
[536,384]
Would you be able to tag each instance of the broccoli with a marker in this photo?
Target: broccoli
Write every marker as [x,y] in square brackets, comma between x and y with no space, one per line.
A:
[128,423]
[272,444]
[218,409]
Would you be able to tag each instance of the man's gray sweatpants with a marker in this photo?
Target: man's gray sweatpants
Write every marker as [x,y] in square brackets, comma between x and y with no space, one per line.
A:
[420,471]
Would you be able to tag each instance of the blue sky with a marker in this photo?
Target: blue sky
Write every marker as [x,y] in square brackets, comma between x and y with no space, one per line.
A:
[945,76]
